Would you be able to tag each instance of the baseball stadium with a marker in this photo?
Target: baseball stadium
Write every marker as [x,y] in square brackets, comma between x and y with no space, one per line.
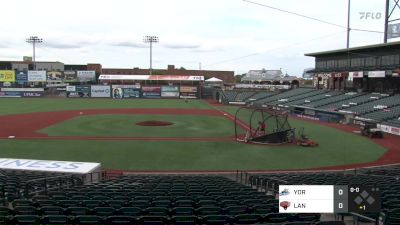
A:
[87,144]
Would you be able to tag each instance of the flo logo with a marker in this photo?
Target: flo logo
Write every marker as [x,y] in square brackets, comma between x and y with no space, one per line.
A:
[370,15]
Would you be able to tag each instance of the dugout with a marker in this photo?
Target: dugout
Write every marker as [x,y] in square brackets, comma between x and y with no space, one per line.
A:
[371,68]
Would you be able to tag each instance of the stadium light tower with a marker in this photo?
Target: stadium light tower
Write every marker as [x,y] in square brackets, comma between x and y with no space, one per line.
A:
[34,40]
[151,40]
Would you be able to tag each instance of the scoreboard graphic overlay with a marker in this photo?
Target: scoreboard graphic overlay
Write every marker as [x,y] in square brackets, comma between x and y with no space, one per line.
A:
[328,199]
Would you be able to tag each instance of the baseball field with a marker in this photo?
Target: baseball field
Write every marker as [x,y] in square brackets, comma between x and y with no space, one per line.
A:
[165,135]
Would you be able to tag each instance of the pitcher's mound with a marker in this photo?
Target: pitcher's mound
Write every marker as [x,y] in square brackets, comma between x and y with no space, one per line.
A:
[154,123]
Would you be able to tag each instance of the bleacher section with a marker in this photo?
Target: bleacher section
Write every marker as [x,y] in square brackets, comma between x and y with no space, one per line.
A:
[382,114]
[243,96]
[375,105]
[155,200]
[282,96]
[186,199]
[393,122]
[333,98]
[287,101]
[385,179]
[261,95]
[312,100]
[356,100]
[230,95]
[15,182]
[367,106]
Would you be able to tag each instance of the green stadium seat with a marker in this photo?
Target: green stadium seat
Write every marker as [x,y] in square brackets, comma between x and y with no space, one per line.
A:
[104,211]
[275,218]
[25,210]
[154,220]
[121,220]
[80,197]
[68,203]
[161,203]
[247,219]
[88,220]
[116,204]
[101,198]
[5,211]
[129,211]
[25,220]
[51,210]
[217,219]
[92,203]
[183,211]
[235,210]
[156,211]
[21,202]
[209,210]
[44,202]
[77,211]
[184,220]
[55,220]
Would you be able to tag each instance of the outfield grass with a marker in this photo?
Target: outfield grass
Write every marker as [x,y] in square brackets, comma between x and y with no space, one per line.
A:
[336,147]
[125,126]
[27,105]
[161,155]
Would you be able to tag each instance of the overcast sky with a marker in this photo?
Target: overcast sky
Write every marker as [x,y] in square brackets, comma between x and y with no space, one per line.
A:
[219,34]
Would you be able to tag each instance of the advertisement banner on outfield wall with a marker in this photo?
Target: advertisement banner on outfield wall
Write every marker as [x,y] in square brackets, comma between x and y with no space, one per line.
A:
[85,76]
[23,89]
[7,75]
[188,89]
[188,92]
[126,91]
[10,94]
[70,76]
[131,92]
[169,91]
[100,91]
[81,91]
[37,76]
[70,88]
[21,76]
[151,91]
[55,76]
[117,93]
[32,94]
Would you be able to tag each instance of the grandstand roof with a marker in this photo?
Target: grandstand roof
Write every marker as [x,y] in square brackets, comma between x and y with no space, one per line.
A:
[365,47]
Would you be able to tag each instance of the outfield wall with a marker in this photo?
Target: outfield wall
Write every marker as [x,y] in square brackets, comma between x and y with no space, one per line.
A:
[132,91]
[21,92]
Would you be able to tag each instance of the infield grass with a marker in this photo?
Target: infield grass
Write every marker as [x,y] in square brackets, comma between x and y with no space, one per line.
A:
[125,126]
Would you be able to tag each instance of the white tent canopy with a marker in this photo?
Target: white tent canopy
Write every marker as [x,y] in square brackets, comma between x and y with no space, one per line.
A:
[213,79]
